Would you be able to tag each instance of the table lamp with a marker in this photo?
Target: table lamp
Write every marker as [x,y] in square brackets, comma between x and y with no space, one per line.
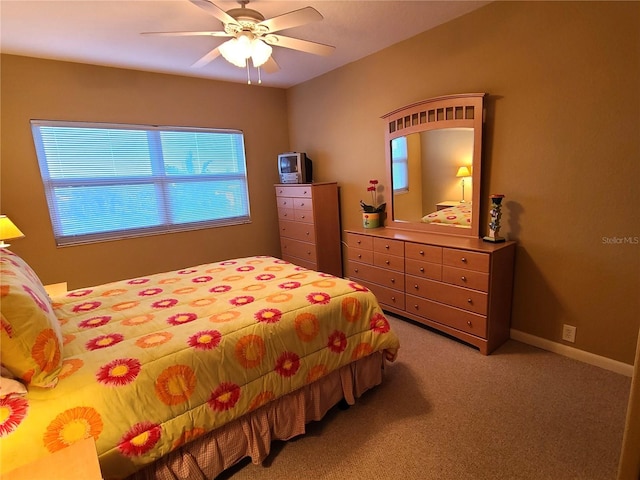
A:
[8,231]
[463,172]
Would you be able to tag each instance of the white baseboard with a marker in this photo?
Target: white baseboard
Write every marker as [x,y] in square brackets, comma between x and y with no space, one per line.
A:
[571,352]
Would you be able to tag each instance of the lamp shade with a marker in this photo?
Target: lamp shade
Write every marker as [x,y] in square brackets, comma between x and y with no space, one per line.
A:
[8,230]
[237,50]
[463,172]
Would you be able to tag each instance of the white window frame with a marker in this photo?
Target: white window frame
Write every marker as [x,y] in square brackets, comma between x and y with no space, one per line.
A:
[159,178]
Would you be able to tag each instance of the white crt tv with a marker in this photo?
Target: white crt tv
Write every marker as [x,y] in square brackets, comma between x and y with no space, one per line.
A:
[295,167]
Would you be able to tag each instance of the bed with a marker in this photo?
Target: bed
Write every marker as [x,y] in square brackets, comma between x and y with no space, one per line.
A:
[458,215]
[182,374]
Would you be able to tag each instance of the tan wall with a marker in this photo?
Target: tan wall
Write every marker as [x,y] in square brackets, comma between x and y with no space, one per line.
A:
[41,89]
[562,143]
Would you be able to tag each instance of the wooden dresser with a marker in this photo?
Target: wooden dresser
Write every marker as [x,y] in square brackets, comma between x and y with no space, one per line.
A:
[309,219]
[460,286]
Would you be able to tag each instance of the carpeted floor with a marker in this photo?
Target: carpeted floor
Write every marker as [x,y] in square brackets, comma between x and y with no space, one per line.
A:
[446,412]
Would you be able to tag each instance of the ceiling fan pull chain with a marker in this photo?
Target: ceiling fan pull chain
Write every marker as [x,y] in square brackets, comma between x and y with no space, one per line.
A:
[248,75]
[259,77]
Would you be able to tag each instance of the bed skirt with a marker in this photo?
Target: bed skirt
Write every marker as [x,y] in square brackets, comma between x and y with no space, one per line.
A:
[252,434]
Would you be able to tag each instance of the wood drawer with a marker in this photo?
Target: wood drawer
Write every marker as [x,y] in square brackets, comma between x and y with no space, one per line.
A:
[360,255]
[386,296]
[359,241]
[466,278]
[392,262]
[459,297]
[391,247]
[285,213]
[466,259]
[380,276]
[450,316]
[294,191]
[423,269]
[303,204]
[284,202]
[419,251]
[297,230]
[296,248]
[305,216]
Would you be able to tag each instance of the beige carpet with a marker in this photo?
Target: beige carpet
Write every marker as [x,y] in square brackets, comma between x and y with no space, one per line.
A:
[444,411]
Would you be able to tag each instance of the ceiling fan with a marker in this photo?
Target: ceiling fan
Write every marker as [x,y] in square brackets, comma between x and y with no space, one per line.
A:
[252,36]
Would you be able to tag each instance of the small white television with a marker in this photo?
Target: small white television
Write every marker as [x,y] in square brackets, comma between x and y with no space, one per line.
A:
[295,167]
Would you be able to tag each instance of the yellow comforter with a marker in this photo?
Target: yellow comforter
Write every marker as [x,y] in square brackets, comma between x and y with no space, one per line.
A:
[154,362]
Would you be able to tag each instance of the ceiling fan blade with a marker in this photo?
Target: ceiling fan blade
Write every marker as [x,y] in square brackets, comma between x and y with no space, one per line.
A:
[188,34]
[297,44]
[291,19]
[270,66]
[214,10]
[209,57]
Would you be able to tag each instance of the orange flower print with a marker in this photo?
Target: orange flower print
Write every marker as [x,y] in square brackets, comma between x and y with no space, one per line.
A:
[205,340]
[69,367]
[202,279]
[268,315]
[94,322]
[167,303]
[181,318]
[175,384]
[13,409]
[224,316]
[289,285]
[307,326]
[318,298]
[188,436]
[118,307]
[85,307]
[250,351]
[104,341]
[154,339]
[224,397]
[185,290]
[337,342]
[357,287]
[141,438]
[46,350]
[261,399]
[287,364]
[169,281]
[138,281]
[324,284]
[254,288]
[113,292]
[137,320]
[351,309]
[80,293]
[279,298]
[220,289]
[241,300]
[274,268]
[232,278]
[72,425]
[263,277]
[361,351]
[379,323]
[316,372]
[118,372]
[202,302]
[148,292]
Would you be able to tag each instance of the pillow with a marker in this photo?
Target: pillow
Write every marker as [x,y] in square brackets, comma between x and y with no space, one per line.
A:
[30,338]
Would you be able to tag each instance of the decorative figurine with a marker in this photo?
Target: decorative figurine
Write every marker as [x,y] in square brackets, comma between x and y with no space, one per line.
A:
[494,224]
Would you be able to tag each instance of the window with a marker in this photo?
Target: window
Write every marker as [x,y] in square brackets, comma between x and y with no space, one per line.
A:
[105,181]
[399,165]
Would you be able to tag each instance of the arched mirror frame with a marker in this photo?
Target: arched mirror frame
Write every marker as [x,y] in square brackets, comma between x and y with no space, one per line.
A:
[450,111]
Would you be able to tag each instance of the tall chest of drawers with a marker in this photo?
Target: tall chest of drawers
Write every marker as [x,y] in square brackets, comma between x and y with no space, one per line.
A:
[309,221]
[460,286]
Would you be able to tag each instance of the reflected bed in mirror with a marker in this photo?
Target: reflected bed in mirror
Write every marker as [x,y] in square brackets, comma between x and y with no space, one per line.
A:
[434,164]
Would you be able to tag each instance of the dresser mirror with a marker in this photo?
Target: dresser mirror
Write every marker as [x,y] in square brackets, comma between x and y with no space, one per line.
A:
[434,165]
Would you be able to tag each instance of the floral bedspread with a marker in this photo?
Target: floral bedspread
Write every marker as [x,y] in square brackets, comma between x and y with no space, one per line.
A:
[459,215]
[154,362]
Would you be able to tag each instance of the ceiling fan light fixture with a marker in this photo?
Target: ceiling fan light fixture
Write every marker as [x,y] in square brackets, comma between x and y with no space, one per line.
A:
[260,52]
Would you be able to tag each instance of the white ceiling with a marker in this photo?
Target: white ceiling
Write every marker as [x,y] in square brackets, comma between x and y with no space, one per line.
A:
[107,33]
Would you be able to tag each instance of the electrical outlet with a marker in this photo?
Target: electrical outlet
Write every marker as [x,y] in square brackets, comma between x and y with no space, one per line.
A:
[569,333]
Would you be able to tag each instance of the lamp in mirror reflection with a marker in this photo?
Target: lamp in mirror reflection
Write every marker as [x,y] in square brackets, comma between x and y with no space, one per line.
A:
[8,231]
[463,172]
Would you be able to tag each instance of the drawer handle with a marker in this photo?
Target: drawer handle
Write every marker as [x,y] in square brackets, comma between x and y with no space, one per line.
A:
[356,270]
[421,252]
[463,260]
[469,323]
[393,280]
[387,247]
[469,301]
[302,216]
[359,242]
[422,269]
[359,256]
[387,262]
[307,234]
[302,204]
[393,299]
[286,215]
[416,307]
[463,278]
[416,287]
[309,253]
[305,192]
[284,203]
